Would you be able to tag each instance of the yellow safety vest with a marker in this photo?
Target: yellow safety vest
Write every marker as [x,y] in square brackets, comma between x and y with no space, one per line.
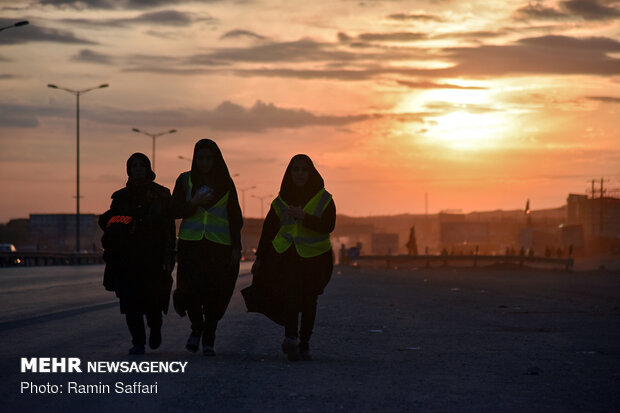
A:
[308,243]
[211,223]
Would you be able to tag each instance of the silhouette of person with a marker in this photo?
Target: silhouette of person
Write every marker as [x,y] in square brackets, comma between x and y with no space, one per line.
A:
[209,243]
[138,242]
[412,246]
[294,259]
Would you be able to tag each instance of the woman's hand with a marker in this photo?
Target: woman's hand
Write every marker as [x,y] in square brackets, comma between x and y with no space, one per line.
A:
[201,198]
[296,212]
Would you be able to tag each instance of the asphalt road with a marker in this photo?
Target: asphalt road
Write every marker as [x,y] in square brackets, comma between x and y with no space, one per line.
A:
[385,340]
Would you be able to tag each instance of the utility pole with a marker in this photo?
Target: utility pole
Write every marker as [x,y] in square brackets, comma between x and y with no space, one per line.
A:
[262,201]
[243,190]
[77,94]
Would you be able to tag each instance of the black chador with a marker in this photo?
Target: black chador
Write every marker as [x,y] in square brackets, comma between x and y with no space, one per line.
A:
[138,242]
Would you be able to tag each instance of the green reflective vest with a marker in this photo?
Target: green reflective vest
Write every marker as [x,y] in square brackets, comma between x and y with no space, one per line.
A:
[308,243]
[211,223]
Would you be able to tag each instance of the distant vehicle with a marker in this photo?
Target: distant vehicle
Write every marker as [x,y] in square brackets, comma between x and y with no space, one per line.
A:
[7,248]
[5,256]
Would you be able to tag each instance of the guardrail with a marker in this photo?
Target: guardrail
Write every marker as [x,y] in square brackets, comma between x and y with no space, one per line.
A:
[445,260]
[49,258]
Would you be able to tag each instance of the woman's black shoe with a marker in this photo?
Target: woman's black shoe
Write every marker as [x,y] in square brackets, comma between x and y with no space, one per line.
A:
[192,343]
[155,338]
[304,351]
[289,347]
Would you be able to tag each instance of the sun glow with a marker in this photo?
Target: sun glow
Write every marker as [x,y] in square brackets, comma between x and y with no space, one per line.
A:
[468,131]
[460,119]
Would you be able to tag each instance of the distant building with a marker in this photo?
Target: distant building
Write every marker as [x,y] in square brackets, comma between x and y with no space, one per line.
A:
[16,232]
[597,219]
[56,232]
[384,243]
[462,236]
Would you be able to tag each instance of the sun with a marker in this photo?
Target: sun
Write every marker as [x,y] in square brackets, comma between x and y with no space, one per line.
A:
[460,119]
[467,131]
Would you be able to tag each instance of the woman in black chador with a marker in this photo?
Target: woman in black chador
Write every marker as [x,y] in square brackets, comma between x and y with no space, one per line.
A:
[138,242]
[209,243]
[294,259]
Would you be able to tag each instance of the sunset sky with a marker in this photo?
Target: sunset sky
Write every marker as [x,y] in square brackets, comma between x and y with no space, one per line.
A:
[480,104]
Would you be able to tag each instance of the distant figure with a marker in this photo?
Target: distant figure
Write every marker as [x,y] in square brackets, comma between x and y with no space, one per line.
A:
[522,252]
[343,254]
[138,242]
[570,251]
[559,252]
[353,253]
[209,244]
[547,252]
[530,252]
[412,246]
[294,260]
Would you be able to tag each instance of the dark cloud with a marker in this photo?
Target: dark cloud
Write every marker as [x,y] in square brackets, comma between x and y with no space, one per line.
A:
[392,37]
[344,38]
[596,44]
[591,9]
[90,56]
[605,99]
[158,18]
[24,116]
[570,10]
[161,64]
[304,50]
[484,34]
[433,85]
[538,11]
[329,74]
[234,34]
[34,33]
[157,69]
[541,55]
[415,17]
[7,76]
[115,4]
[229,116]
[169,17]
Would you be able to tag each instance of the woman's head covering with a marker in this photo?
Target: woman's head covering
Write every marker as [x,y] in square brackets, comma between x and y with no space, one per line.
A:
[300,195]
[150,175]
[218,177]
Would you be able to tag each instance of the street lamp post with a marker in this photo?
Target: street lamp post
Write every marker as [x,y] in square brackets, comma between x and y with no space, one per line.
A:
[153,135]
[262,199]
[77,94]
[21,23]
[242,190]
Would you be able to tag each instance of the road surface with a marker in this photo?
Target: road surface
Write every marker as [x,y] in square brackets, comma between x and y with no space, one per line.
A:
[385,340]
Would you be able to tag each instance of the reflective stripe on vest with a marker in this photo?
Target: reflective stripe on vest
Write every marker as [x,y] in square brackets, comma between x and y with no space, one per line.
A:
[308,243]
[211,223]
